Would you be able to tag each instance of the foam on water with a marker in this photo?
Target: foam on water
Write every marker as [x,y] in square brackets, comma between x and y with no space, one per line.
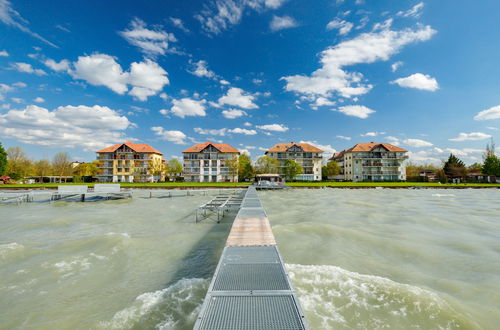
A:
[175,307]
[10,249]
[334,298]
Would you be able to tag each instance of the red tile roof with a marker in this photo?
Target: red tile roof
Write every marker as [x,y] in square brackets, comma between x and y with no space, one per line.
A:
[222,147]
[282,147]
[360,147]
[137,147]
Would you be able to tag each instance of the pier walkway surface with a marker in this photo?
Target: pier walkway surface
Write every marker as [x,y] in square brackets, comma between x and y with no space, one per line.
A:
[251,288]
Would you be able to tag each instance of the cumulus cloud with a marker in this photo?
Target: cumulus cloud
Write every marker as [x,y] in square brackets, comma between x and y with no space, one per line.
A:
[347,138]
[146,78]
[224,82]
[491,113]
[220,15]
[187,107]
[415,11]
[244,131]
[417,143]
[68,126]
[273,127]
[233,113]
[63,65]
[151,42]
[39,100]
[344,27]
[176,137]
[418,81]
[281,23]
[27,68]
[359,111]
[373,134]
[4,53]
[396,65]
[201,69]
[474,136]
[11,17]
[328,150]
[239,98]
[366,48]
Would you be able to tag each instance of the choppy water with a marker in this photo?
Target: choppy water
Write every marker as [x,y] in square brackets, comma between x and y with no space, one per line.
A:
[359,259]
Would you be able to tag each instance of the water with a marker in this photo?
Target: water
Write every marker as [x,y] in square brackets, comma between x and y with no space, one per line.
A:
[359,259]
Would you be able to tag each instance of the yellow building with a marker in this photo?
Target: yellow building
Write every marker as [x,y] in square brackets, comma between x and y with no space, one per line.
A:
[130,162]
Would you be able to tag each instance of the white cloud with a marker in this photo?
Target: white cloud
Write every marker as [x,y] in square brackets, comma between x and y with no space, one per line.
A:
[224,82]
[201,69]
[146,78]
[492,128]
[474,136]
[347,138]
[418,81]
[220,15]
[327,149]
[243,131]
[63,65]
[17,100]
[417,143]
[19,84]
[69,126]
[176,137]
[187,107]
[491,113]
[281,23]
[27,68]
[359,111]
[257,81]
[238,98]
[247,124]
[4,53]
[177,22]
[365,48]
[208,131]
[344,27]
[273,127]
[150,42]
[11,17]
[396,65]
[233,113]
[415,11]
[39,100]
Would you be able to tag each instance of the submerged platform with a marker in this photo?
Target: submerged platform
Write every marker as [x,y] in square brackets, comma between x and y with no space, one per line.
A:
[251,288]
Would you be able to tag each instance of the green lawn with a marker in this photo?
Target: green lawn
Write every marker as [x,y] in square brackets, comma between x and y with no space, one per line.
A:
[391,184]
[137,185]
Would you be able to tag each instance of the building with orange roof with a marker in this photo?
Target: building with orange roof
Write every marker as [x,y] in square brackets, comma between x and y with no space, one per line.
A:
[307,155]
[211,162]
[372,162]
[130,162]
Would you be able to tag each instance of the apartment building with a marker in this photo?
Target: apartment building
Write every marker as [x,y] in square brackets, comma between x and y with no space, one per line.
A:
[211,162]
[372,162]
[308,156]
[130,162]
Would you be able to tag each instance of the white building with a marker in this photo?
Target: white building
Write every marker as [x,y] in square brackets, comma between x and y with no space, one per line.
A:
[308,156]
[372,162]
[211,162]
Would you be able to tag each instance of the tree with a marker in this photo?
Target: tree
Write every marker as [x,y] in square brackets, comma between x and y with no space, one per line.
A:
[3,160]
[454,167]
[86,169]
[18,164]
[245,168]
[330,169]
[157,168]
[62,165]
[292,169]
[232,165]
[441,176]
[42,168]
[475,166]
[267,165]
[174,168]
[491,163]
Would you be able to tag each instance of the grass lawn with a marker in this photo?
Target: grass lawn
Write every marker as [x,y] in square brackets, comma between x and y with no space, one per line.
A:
[136,185]
[393,184]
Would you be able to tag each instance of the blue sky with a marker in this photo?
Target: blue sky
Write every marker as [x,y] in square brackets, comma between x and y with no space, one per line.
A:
[77,76]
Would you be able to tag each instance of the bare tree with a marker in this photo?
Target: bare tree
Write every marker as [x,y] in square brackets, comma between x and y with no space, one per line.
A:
[62,165]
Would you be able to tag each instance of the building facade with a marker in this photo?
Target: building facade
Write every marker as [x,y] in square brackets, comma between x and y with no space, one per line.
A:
[308,156]
[211,162]
[372,162]
[130,162]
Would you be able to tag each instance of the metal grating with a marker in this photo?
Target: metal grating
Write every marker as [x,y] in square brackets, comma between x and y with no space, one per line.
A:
[251,202]
[241,277]
[252,212]
[251,313]
[250,254]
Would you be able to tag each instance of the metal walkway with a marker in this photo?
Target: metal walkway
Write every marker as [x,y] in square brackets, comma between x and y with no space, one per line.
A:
[218,206]
[251,288]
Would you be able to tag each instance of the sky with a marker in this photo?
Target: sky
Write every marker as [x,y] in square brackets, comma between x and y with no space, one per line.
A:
[77,76]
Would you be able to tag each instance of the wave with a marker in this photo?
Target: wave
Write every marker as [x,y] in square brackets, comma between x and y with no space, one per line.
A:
[175,307]
[8,250]
[443,195]
[333,297]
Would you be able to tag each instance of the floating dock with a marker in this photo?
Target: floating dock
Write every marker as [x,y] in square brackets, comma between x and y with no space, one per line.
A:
[251,288]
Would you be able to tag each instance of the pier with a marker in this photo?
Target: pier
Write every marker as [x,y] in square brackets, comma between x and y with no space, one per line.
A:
[251,288]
